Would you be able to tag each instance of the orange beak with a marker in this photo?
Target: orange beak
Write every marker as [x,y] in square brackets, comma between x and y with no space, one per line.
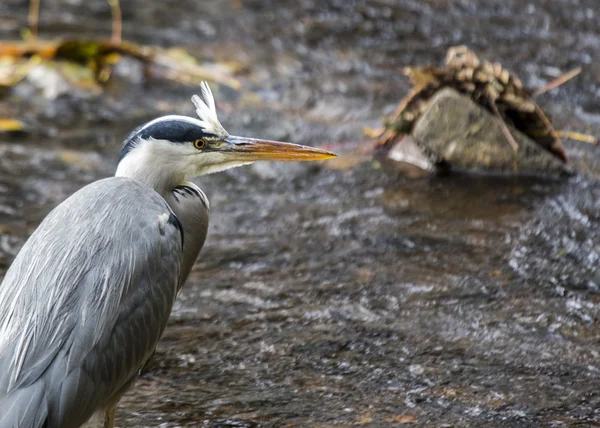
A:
[250,149]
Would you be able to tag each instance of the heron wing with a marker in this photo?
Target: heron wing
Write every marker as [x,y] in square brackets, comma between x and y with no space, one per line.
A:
[85,302]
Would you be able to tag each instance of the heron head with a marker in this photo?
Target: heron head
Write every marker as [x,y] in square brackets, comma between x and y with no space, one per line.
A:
[186,147]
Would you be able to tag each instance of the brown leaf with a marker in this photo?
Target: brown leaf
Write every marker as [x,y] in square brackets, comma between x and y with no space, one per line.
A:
[402,419]
[364,420]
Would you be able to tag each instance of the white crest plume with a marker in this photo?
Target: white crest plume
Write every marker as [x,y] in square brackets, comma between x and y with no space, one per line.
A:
[207,112]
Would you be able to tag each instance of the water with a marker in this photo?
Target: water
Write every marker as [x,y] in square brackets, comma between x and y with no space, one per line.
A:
[347,296]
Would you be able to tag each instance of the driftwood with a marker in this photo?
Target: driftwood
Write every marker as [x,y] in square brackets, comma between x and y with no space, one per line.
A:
[100,55]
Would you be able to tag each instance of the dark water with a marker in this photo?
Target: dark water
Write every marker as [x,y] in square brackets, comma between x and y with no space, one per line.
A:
[344,297]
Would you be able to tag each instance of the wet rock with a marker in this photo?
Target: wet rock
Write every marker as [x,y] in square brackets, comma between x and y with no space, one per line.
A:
[409,159]
[468,137]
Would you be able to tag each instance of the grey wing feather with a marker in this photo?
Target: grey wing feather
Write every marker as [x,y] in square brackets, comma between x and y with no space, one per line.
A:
[85,303]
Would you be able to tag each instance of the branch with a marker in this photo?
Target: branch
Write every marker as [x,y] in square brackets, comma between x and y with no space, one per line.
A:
[33,18]
[117,21]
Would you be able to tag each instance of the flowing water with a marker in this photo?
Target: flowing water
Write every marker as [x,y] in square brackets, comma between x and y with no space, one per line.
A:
[336,294]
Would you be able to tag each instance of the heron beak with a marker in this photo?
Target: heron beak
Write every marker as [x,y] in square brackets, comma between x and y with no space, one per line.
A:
[250,149]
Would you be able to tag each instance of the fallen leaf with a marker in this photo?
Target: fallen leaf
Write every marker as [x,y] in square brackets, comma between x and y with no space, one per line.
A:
[13,70]
[364,420]
[402,419]
[80,76]
[372,132]
[11,125]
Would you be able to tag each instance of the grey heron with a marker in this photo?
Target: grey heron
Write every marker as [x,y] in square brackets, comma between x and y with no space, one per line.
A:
[86,300]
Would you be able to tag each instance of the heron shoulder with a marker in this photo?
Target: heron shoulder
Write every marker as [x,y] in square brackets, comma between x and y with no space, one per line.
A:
[138,200]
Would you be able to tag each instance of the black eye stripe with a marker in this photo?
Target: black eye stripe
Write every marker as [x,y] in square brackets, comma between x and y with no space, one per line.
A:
[171,129]
[177,131]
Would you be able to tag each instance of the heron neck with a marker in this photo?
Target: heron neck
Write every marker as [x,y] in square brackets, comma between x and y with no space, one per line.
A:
[146,166]
[190,205]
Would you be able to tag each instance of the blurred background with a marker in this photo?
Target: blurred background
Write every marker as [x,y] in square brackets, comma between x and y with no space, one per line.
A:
[341,293]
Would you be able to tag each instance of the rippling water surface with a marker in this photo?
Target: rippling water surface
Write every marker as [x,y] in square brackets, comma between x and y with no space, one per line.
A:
[328,296]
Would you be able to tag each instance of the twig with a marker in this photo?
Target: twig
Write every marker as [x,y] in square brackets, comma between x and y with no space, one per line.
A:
[33,18]
[558,81]
[117,21]
[505,130]
[578,136]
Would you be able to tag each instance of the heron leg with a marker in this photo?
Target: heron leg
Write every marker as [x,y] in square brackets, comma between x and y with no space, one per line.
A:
[109,417]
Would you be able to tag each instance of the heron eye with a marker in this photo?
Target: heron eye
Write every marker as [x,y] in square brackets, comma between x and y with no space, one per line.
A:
[200,143]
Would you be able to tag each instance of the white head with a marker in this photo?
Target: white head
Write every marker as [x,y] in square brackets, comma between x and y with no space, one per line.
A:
[165,151]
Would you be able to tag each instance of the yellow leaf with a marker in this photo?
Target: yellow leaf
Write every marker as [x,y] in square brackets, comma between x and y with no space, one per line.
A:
[372,132]
[180,55]
[79,75]
[11,125]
